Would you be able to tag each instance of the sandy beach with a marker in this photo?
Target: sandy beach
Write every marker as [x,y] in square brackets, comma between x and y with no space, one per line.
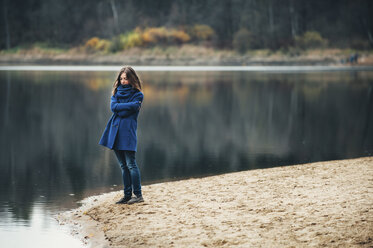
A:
[324,204]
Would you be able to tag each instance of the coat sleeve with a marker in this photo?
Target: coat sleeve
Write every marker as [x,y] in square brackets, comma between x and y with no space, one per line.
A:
[126,109]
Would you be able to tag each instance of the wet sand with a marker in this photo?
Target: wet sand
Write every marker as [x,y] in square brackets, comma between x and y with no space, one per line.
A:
[311,205]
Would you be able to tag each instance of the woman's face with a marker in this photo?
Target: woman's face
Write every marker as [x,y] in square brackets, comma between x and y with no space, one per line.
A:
[123,79]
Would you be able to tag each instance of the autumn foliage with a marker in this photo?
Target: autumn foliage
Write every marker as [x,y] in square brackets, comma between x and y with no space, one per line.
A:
[151,36]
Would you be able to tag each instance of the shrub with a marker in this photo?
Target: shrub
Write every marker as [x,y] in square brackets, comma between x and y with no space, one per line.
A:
[92,43]
[103,45]
[130,39]
[310,39]
[155,35]
[242,40]
[97,44]
[201,32]
[178,36]
[133,40]
[115,44]
[161,35]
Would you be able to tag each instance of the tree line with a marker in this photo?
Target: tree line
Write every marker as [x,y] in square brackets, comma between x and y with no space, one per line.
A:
[246,24]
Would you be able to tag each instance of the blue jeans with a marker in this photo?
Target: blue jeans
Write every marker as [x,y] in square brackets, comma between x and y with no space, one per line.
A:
[130,172]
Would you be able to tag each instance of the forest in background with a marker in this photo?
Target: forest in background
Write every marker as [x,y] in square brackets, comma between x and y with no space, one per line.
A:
[115,25]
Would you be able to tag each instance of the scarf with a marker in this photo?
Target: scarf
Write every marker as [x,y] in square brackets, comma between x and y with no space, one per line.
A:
[125,92]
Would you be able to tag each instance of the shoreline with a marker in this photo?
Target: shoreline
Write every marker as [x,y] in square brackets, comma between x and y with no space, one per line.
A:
[180,58]
[156,61]
[114,68]
[317,204]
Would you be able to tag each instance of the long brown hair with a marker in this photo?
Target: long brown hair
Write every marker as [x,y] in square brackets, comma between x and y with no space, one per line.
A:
[132,78]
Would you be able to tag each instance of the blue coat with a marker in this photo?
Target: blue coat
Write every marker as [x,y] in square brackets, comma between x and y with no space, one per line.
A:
[120,132]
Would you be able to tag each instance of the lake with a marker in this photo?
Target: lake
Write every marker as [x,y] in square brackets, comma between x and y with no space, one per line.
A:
[193,123]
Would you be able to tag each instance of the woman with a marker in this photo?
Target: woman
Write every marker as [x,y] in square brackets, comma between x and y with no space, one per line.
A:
[120,132]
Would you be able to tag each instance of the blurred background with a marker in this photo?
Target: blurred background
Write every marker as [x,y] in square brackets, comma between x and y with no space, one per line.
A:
[195,121]
[321,31]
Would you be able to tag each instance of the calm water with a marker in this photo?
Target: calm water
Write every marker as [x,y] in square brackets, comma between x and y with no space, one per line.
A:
[192,124]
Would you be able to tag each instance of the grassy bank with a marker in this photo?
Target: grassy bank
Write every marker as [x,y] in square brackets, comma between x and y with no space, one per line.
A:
[179,55]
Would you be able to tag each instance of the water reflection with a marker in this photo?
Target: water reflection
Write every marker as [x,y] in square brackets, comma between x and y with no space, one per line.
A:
[191,124]
[39,231]
[236,121]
